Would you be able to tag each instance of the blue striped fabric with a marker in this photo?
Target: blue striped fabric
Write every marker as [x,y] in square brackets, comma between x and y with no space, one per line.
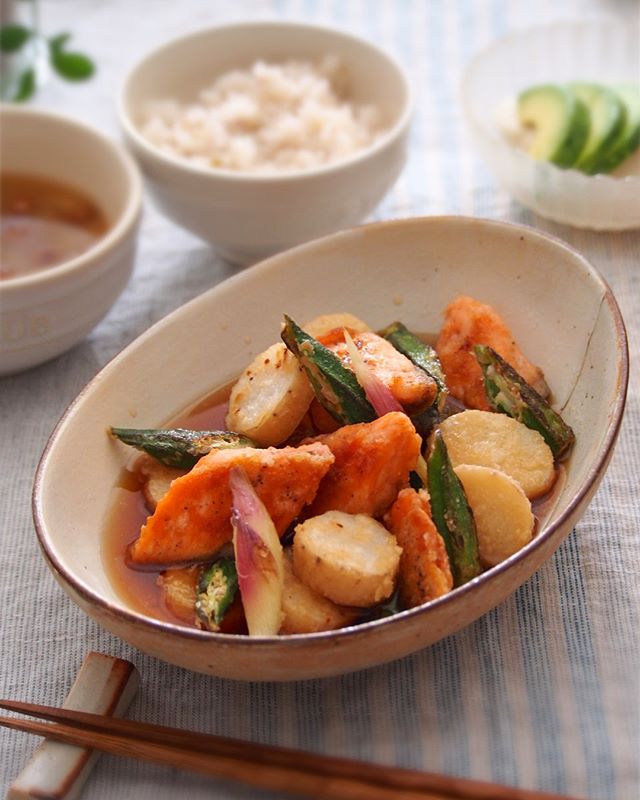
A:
[544,691]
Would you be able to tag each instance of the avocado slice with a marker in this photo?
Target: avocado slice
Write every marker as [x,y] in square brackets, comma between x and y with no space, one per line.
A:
[560,123]
[628,139]
[607,114]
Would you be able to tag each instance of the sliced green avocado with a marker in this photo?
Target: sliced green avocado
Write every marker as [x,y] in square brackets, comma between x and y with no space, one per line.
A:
[560,122]
[607,114]
[629,137]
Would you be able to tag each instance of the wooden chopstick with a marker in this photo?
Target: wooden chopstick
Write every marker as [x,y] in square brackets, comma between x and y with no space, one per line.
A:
[264,766]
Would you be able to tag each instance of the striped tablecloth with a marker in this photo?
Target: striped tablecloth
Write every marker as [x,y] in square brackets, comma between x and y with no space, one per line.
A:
[542,692]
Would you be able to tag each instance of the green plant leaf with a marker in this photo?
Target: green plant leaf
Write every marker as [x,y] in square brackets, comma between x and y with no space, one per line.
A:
[72,66]
[57,43]
[26,85]
[13,37]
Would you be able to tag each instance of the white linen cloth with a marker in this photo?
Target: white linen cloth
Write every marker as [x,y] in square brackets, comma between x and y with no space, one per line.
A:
[544,691]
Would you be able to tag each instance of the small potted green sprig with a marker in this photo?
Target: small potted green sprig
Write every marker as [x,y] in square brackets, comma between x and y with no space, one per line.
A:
[19,78]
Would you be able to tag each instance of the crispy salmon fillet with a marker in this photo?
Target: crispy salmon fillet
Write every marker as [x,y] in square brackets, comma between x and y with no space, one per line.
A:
[424,565]
[411,386]
[192,521]
[372,463]
[336,336]
[468,322]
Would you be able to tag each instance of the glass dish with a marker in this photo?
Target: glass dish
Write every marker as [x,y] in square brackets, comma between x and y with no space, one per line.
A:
[603,51]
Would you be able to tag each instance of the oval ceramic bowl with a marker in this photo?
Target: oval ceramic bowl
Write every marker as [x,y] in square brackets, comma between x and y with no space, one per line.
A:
[45,313]
[605,51]
[558,306]
[247,216]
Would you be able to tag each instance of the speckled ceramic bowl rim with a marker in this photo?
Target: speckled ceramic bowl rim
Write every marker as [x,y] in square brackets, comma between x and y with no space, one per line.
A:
[389,135]
[119,229]
[293,641]
[491,131]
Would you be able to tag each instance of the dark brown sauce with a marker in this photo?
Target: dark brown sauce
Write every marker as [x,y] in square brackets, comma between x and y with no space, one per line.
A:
[542,506]
[44,223]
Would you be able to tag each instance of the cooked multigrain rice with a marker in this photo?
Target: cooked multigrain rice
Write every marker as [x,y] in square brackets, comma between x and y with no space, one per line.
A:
[267,119]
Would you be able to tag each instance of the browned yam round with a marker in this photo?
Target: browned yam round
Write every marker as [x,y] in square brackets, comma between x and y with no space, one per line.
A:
[468,322]
[157,479]
[328,327]
[502,512]
[179,591]
[424,565]
[348,558]
[494,440]
[306,611]
[192,521]
[270,398]
[372,463]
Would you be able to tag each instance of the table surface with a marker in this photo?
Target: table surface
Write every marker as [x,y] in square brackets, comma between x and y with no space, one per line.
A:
[542,692]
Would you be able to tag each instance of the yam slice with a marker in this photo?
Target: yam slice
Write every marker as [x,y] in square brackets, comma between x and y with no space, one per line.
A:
[270,398]
[306,611]
[351,559]
[157,479]
[178,588]
[502,512]
[487,439]
[326,327]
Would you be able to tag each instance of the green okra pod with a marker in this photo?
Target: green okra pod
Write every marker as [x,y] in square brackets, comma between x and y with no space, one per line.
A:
[336,387]
[216,591]
[421,354]
[451,514]
[179,447]
[508,392]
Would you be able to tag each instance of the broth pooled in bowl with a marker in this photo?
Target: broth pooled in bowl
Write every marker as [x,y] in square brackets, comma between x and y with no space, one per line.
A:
[44,223]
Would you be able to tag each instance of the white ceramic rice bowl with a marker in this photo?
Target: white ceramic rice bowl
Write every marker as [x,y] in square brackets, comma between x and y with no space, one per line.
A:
[250,216]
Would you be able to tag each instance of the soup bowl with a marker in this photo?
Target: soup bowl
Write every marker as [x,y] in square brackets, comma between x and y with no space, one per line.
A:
[560,310]
[45,313]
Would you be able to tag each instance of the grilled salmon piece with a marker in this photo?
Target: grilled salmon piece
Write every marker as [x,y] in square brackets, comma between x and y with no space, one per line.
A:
[192,521]
[424,565]
[468,322]
[410,385]
[372,463]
